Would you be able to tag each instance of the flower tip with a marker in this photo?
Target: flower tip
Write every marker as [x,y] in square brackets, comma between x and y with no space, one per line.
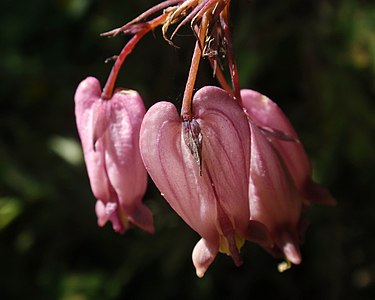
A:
[118,228]
[203,255]
[258,233]
[318,194]
[292,252]
[148,227]
[200,272]
[238,262]
[101,213]
[141,216]
[89,83]
[128,92]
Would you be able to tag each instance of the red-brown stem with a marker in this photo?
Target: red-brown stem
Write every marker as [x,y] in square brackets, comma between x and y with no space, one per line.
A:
[224,19]
[186,109]
[111,81]
[218,73]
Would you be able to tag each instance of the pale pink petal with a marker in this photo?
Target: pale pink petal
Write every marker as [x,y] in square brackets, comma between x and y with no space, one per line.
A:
[87,103]
[108,212]
[101,213]
[171,167]
[290,247]
[123,161]
[226,139]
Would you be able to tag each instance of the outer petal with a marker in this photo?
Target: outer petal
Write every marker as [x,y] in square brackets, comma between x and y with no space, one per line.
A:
[273,198]
[267,114]
[225,151]
[171,167]
[87,104]
[124,165]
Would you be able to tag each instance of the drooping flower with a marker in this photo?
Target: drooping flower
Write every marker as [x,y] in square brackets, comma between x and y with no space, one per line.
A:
[274,200]
[109,133]
[201,167]
[270,118]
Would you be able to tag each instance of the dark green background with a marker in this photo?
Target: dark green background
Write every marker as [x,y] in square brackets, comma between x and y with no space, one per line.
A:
[316,59]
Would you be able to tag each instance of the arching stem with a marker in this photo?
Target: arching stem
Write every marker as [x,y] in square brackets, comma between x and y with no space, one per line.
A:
[146,28]
[186,110]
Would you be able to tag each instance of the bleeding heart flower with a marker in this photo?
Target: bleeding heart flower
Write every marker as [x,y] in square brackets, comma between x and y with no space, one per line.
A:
[274,200]
[109,132]
[201,167]
[270,118]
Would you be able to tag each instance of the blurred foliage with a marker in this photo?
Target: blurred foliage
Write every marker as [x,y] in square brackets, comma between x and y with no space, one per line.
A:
[315,58]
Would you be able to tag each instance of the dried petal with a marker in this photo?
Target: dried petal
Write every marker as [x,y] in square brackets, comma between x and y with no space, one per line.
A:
[193,140]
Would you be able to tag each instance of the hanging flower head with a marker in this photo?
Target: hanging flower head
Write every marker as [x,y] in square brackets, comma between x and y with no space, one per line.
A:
[201,167]
[109,132]
[230,164]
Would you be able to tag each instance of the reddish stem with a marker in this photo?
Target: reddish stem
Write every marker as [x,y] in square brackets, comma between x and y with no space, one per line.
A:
[186,109]
[111,81]
[218,73]
[224,20]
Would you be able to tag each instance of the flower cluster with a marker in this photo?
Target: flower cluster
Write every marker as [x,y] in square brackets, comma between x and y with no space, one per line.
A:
[230,164]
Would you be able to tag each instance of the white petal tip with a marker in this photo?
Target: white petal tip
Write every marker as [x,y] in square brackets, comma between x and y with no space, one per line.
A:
[200,272]
[203,255]
[128,92]
[292,253]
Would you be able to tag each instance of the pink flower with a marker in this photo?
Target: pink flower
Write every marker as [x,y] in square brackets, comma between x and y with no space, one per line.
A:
[269,117]
[109,132]
[201,167]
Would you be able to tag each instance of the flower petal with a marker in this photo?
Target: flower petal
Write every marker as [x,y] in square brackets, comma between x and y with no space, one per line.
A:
[87,102]
[172,168]
[123,161]
[226,149]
